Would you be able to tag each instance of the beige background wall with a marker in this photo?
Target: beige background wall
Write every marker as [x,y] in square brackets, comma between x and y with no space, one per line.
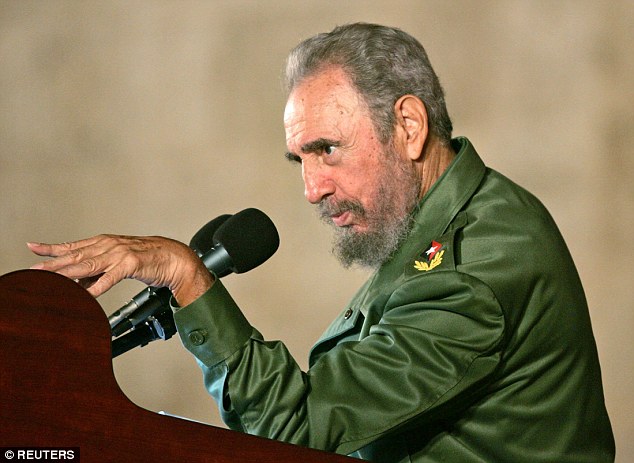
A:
[152,117]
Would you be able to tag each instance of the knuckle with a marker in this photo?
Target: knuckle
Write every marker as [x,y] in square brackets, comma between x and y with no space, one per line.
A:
[107,240]
[90,265]
[75,255]
[107,280]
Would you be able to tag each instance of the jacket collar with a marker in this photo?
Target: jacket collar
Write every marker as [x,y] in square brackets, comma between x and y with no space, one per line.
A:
[447,196]
[452,190]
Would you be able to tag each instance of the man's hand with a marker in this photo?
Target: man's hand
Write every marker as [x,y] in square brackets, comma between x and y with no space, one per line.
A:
[100,262]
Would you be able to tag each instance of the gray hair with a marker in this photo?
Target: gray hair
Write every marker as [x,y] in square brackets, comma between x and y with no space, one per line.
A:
[383,63]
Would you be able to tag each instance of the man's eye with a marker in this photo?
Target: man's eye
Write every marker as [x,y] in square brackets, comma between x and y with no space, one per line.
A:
[330,149]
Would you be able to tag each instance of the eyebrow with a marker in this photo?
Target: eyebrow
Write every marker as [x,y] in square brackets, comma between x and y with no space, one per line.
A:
[292,157]
[314,146]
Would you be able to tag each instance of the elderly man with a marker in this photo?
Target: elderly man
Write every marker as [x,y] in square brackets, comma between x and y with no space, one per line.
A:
[470,342]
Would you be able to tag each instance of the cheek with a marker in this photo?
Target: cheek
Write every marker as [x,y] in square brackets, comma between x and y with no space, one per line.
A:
[362,184]
[365,175]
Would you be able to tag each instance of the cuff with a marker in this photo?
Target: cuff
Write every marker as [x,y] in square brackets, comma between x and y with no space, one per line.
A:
[212,327]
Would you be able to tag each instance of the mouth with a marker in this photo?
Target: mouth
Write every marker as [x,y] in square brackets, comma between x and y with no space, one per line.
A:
[343,219]
[341,214]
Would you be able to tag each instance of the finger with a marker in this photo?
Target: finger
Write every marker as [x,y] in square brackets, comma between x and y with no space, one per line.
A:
[76,252]
[77,266]
[92,278]
[61,261]
[60,249]
[86,283]
[98,285]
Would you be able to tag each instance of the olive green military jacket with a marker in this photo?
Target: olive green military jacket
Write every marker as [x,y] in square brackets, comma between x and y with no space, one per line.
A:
[472,344]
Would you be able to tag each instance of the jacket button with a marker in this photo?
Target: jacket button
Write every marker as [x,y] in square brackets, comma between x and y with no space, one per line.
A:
[197,337]
[348,314]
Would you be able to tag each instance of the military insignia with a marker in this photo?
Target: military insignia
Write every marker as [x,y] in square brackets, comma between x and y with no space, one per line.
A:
[432,257]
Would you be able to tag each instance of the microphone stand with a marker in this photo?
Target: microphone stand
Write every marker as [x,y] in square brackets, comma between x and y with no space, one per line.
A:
[159,326]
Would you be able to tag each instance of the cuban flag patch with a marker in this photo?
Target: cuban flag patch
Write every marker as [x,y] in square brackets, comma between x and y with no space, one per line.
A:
[430,258]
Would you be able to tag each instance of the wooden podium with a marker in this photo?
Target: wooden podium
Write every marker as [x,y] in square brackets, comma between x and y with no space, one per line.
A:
[58,388]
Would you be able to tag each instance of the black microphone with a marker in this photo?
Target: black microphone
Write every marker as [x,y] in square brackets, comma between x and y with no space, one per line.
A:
[244,241]
[201,242]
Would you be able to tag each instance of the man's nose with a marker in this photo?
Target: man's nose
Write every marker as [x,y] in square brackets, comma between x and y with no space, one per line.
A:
[317,182]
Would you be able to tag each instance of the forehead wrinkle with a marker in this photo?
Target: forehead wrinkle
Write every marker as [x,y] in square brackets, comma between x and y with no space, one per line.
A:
[322,110]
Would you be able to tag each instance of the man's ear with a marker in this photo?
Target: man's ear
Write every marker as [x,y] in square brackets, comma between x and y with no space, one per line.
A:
[411,125]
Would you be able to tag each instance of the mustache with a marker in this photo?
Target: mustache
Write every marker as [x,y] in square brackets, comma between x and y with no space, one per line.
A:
[328,208]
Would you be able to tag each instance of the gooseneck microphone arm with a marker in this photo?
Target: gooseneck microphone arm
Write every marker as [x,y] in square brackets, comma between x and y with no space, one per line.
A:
[159,326]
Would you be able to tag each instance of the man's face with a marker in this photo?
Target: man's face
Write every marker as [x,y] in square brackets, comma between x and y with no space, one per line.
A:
[362,187]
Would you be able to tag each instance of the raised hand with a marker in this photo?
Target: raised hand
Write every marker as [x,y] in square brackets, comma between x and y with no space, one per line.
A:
[100,262]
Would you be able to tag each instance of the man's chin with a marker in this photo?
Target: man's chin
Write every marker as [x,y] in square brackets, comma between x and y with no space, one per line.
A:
[353,246]
[369,247]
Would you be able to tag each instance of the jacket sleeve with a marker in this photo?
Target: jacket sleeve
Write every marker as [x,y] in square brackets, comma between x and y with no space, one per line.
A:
[435,346]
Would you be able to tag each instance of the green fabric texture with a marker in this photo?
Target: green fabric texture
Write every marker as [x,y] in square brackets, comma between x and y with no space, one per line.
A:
[472,344]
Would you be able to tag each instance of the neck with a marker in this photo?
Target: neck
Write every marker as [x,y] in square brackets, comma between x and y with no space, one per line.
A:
[437,156]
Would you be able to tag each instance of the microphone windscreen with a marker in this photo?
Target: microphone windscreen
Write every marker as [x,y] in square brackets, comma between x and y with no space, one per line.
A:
[203,240]
[249,237]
